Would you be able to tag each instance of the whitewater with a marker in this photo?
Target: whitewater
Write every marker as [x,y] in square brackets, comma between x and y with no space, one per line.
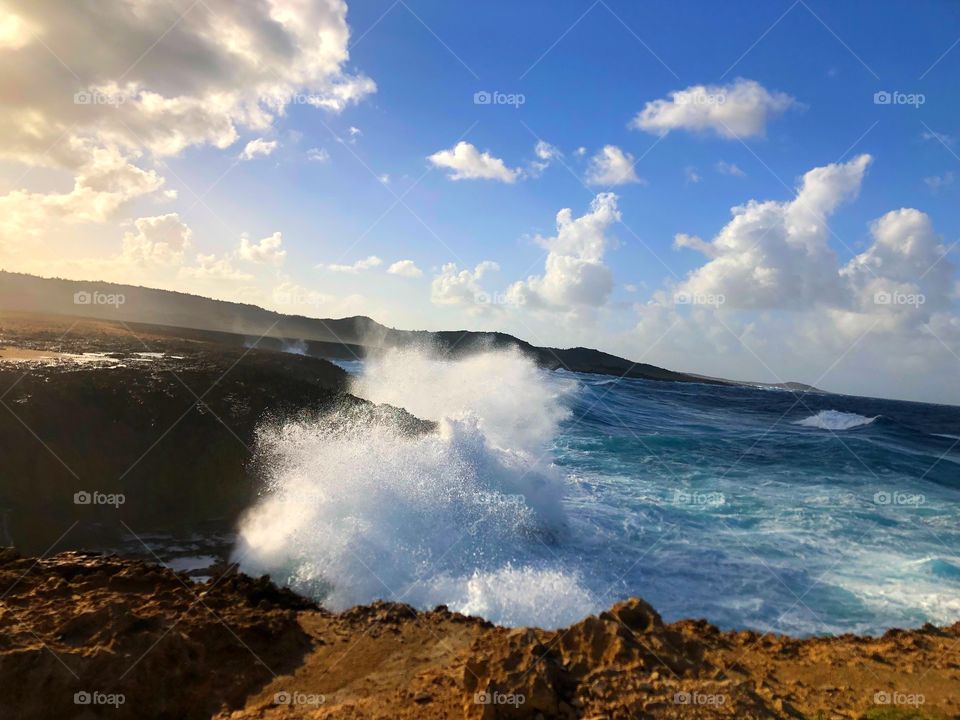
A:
[540,497]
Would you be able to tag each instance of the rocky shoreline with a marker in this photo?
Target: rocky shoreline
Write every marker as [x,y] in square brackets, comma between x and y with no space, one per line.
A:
[109,429]
[87,635]
[166,427]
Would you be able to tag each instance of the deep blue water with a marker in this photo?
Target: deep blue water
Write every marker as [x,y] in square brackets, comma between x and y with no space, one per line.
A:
[717,502]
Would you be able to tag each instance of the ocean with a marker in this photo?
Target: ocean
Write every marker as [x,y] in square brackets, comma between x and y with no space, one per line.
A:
[546,496]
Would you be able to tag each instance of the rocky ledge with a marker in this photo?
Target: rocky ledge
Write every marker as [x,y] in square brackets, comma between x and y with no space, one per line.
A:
[85,635]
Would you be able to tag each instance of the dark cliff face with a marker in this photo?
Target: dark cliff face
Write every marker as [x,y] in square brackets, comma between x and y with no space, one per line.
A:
[171,431]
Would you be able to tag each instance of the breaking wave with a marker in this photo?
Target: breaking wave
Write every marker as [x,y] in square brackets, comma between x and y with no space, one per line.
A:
[364,503]
[835,420]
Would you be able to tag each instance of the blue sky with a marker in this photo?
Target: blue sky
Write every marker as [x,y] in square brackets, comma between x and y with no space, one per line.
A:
[585,70]
[583,92]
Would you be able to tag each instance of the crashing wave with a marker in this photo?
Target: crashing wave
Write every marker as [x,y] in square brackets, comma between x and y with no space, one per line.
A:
[358,508]
[835,420]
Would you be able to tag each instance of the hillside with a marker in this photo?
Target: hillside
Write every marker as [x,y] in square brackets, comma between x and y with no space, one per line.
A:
[337,338]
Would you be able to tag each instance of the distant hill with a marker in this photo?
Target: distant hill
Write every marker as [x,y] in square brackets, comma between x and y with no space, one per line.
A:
[338,338]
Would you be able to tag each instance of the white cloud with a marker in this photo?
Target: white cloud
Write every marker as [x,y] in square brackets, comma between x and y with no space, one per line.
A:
[268,251]
[405,268]
[468,163]
[612,166]
[546,153]
[221,68]
[359,266]
[907,257]
[574,273]
[161,239]
[103,185]
[725,168]
[318,155]
[258,147]
[938,137]
[211,267]
[692,175]
[461,287]
[740,109]
[938,182]
[775,254]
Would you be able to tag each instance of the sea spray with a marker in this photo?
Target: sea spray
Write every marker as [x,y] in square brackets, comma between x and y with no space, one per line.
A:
[358,506]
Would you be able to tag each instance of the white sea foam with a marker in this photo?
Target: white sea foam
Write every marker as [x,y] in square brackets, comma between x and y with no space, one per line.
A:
[359,508]
[835,420]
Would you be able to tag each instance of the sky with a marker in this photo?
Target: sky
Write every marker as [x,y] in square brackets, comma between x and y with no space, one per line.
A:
[759,191]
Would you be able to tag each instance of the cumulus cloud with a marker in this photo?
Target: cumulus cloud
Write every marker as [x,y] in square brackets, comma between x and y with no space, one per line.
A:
[546,151]
[405,268]
[211,267]
[574,275]
[546,154]
[161,239]
[107,108]
[268,251]
[891,308]
[220,66]
[467,163]
[105,183]
[612,166]
[453,286]
[740,109]
[907,257]
[359,266]
[318,155]
[776,254]
[258,147]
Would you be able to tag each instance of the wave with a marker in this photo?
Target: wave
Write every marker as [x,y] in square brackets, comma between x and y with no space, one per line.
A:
[359,507]
[835,420]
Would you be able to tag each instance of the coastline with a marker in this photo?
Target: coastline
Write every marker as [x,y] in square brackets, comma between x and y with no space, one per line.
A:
[128,639]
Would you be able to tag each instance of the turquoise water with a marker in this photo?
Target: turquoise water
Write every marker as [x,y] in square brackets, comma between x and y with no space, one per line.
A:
[747,507]
[544,497]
